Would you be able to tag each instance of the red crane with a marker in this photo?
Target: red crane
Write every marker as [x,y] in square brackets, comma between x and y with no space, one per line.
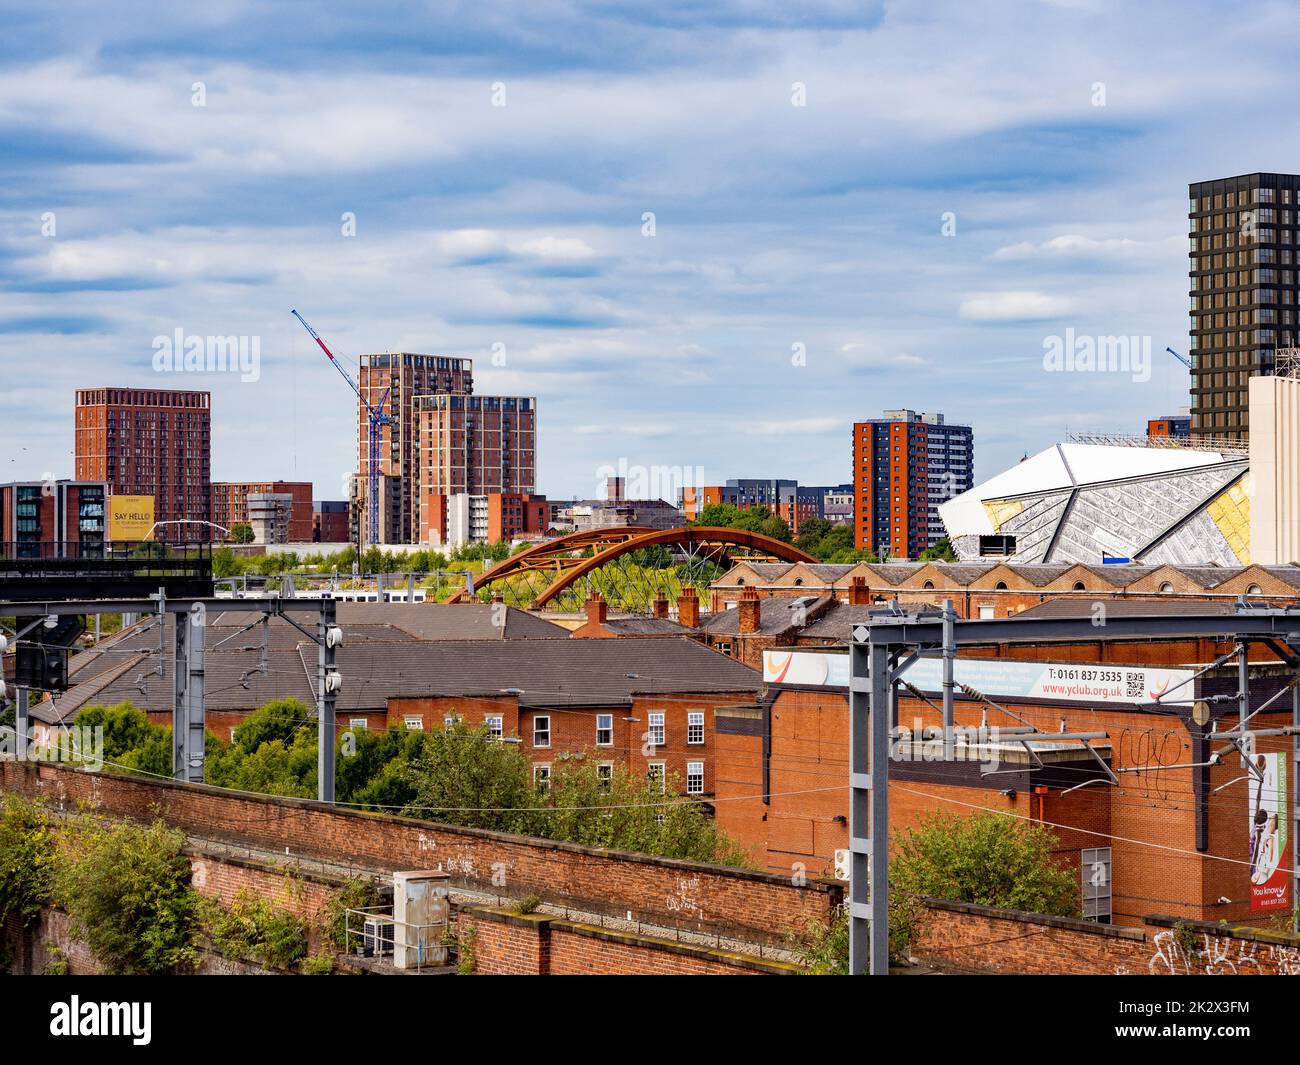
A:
[376,419]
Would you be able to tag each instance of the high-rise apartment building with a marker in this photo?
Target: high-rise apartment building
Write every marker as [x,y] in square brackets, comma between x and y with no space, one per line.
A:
[904,465]
[472,446]
[405,376]
[1244,292]
[53,519]
[230,504]
[150,442]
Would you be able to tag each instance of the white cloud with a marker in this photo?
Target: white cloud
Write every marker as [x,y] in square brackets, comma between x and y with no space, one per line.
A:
[1012,307]
[1071,244]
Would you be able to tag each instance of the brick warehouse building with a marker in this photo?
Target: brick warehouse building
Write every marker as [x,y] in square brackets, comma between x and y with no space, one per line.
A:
[230,504]
[989,589]
[904,465]
[1178,830]
[150,442]
[646,702]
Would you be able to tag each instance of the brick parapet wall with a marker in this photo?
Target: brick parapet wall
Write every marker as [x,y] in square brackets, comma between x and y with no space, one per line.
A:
[983,939]
[750,906]
[507,943]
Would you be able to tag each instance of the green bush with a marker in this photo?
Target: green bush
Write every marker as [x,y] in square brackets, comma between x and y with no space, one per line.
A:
[359,893]
[27,859]
[256,930]
[126,889]
[988,859]
[318,965]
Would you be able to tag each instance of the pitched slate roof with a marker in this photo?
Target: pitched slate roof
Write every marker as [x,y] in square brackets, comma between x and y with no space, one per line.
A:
[549,673]
[777,614]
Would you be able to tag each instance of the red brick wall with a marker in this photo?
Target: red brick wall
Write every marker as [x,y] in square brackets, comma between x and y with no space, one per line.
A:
[510,944]
[980,939]
[659,891]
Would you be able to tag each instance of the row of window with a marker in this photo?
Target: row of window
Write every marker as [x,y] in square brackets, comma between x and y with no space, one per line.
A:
[656,772]
[655,732]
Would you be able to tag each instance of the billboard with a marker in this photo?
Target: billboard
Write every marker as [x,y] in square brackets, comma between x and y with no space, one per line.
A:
[130,517]
[1270,843]
[1069,682]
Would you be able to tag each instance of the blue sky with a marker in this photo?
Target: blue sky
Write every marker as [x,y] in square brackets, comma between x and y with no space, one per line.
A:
[477,225]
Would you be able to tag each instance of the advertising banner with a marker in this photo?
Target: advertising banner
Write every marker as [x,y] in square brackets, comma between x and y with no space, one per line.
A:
[130,517]
[1270,842]
[1050,681]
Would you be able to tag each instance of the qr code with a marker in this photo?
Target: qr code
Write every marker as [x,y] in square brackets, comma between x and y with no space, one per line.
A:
[1136,689]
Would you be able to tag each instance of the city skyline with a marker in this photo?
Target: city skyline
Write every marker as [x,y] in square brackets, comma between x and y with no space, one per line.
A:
[801,170]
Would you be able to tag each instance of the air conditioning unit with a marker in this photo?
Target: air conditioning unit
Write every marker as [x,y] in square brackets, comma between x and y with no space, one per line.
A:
[377,936]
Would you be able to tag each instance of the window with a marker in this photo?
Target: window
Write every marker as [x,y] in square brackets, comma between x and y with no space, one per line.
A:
[1079,586]
[542,731]
[986,612]
[656,775]
[604,730]
[1166,587]
[493,723]
[414,722]
[541,777]
[694,778]
[450,722]
[605,774]
[695,727]
[655,734]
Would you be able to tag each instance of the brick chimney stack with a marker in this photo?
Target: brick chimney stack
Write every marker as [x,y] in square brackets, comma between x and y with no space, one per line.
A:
[597,609]
[859,593]
[688,608]
[660,607]
[751,612]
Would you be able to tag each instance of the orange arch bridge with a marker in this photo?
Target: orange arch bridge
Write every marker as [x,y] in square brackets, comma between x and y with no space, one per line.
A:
[569,559]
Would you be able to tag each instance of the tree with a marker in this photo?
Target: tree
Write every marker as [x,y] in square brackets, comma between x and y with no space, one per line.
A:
[757,519]
[463,776]
[626,811]
[273,752]
[940,551]
[241,533]
[810,534]
[988,859]
[130,742]
[126,889]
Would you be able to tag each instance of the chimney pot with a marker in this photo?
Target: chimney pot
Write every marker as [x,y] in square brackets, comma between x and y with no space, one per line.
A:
[688,608]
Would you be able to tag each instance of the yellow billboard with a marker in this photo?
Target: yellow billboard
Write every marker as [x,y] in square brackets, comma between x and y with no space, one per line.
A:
[129,517]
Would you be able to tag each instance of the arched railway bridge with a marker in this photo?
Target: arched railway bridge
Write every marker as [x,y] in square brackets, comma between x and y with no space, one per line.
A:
[633,563]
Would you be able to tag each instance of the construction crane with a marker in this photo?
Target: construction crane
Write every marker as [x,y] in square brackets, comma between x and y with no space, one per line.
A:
[376,419]
[1181,358]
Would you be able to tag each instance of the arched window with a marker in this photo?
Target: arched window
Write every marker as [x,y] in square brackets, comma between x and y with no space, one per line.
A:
[928,585]
[1001,586]
[1166,587]
[798,581]
[1254,589]
[1078,586]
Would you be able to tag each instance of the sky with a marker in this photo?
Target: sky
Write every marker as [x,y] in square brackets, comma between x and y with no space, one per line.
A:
[706,236]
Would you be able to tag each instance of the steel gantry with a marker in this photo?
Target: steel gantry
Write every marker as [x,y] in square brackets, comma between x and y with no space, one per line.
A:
[188,705]
[883,649]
